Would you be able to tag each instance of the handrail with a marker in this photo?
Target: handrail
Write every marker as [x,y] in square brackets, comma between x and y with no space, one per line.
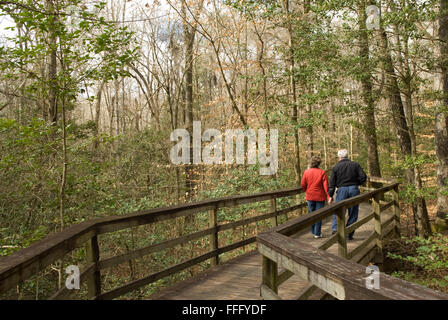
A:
[295,225]
[369,248]
[339,277]
[21,265]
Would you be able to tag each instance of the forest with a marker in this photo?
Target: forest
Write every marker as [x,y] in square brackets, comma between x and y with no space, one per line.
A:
[92,93]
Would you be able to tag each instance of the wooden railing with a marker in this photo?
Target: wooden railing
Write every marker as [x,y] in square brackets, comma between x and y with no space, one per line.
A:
[23,264]
[340,276]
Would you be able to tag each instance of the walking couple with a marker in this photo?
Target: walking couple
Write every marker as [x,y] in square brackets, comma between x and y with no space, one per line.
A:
[346,176]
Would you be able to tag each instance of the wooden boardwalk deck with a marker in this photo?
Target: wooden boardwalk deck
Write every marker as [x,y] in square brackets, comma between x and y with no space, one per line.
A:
[239,278]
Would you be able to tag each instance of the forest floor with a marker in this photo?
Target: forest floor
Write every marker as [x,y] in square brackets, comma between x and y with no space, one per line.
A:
[422,261]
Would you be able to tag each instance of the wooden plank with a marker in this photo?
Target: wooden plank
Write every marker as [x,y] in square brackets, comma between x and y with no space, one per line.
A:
[235,224]
[284,276]
[387,223]
[381,180]
[362,246]
[116,223]
[267,294]
[340,277]
[386,206]
[251,262]
[367,255]
[298,224]
[237,245]
[329,242]
[360,223]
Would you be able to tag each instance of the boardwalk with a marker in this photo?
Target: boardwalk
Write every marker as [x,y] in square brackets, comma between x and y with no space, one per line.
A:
[240,278]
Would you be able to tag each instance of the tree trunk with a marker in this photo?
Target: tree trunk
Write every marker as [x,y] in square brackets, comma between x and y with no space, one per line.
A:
[441,115]
[369,127]
[293,85]
[117,92]
[189,169]
[52,67]
[98,113]
[404,139]
[189,30]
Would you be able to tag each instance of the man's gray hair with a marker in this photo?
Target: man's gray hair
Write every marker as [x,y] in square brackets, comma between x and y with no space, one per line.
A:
[343,154]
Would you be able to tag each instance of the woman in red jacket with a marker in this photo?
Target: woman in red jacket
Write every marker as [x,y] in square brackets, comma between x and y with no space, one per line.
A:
[315,184]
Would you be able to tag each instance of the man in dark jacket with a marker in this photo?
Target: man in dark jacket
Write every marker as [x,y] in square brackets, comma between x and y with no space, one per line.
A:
[347,176]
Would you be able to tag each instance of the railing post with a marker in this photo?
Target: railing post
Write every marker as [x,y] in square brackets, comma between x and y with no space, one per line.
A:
[397,212]
[342,236]
[368,183]
[274,220]
[378,227]
[270,274]
[213,223]
[94,279]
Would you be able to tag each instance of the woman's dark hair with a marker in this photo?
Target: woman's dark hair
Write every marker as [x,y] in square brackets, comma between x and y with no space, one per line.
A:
[315,162]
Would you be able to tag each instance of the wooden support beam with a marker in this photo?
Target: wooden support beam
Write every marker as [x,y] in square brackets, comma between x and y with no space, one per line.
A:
[267,294]
[270,274]
[397,212]
[274,220]
[377,217]
[378,226]
[342,236]
[213,223]
[94,279]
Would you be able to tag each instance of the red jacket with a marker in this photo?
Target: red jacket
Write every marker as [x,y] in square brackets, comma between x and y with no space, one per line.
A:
[315,183]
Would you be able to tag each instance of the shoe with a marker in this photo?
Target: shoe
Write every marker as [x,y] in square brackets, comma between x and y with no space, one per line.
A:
[317,237]
[350,238]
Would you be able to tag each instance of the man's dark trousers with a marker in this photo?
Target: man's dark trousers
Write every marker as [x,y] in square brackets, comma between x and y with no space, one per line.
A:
[344,193]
